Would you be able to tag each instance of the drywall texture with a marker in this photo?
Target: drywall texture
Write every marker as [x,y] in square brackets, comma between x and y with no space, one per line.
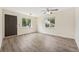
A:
[77,25]
[22,30]
[64,24]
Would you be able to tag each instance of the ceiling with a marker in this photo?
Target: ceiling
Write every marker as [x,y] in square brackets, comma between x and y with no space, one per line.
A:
[35,11]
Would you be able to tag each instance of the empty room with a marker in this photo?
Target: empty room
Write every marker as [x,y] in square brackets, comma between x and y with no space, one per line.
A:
[39,29]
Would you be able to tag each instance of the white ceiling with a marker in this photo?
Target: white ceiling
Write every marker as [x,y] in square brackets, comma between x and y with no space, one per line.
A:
[36,11]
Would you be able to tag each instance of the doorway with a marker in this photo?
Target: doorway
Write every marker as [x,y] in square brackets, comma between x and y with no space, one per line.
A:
[10,25]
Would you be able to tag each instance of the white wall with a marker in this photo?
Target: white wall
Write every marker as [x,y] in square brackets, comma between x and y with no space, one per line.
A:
[77,26]
[1,28]
[22,30]
[64,24]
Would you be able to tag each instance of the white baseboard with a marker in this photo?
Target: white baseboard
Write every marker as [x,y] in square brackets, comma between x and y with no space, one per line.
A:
[57,35]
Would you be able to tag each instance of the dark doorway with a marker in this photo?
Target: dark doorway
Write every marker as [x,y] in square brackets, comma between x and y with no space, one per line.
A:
[10,25]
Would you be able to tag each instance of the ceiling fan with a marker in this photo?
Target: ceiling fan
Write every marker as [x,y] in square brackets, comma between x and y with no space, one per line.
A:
[49,11]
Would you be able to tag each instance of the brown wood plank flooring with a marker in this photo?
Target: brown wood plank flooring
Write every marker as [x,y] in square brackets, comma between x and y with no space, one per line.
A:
[38,42]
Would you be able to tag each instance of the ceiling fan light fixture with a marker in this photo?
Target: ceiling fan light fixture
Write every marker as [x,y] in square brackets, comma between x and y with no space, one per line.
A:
[49,11]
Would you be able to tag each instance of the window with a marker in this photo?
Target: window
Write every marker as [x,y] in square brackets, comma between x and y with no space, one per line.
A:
[26,22]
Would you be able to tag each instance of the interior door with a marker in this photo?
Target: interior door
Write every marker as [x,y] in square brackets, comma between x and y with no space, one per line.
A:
[10,25]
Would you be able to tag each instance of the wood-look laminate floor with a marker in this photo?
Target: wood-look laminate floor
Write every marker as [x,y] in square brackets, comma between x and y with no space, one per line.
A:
[38,42]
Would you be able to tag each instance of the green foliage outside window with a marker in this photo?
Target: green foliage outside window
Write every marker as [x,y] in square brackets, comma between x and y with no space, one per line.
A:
[26,22]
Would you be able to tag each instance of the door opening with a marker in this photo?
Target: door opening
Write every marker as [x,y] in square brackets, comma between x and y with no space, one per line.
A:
[10,25]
